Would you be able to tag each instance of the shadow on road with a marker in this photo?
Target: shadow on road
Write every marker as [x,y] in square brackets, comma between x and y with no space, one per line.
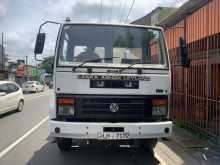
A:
[8,114]
[92,155]
[28,93]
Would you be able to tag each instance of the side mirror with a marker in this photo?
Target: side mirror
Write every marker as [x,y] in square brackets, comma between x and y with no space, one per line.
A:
[2,94]
[185,61]
[39,45]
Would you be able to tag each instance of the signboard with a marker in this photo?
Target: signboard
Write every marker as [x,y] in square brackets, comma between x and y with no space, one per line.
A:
[20,68]
[34,72]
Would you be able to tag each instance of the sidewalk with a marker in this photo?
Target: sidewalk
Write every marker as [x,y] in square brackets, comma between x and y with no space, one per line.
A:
[184,148]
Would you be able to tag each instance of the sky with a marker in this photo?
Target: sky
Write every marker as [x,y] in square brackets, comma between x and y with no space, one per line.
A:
[20,19]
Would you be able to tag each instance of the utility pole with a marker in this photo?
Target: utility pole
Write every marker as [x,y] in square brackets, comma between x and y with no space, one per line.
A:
[26,67]
[3,51]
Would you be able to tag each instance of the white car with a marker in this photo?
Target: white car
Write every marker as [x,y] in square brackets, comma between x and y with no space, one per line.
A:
[32,86]
[11,97]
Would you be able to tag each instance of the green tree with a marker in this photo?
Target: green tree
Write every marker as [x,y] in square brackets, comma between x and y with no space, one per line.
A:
[125,41]
[47,64]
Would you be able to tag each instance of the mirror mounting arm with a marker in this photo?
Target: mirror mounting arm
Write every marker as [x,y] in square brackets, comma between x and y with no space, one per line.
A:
[52,22]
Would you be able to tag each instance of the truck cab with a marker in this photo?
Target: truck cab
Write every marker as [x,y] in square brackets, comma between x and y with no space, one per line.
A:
[111,84]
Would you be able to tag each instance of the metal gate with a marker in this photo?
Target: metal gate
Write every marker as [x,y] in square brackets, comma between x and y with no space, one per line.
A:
[196,90]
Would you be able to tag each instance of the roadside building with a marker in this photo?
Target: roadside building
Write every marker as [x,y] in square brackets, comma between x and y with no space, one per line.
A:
[155,16]
[196,90]
[25,72]
[12,68]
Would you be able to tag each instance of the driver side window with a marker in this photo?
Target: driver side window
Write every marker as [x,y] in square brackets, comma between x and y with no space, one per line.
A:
[84,53]
[78,50]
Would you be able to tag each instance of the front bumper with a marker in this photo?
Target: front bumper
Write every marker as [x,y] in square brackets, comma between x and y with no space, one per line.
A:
[91,130]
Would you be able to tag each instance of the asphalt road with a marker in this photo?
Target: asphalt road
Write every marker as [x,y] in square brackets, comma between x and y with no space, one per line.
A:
[36,149]
[14,124]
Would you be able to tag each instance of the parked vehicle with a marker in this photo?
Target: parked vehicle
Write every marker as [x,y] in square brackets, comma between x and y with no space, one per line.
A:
[111,83]
[48,79]
[32,86]
[11,97]
[50,85]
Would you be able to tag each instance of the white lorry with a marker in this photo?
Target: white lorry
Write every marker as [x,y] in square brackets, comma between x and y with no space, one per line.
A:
[112,84]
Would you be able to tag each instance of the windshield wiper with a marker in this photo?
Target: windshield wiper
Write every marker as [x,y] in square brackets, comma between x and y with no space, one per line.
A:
[130,66]
[93,60]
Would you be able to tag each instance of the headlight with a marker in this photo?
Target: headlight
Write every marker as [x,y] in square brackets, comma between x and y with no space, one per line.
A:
[66,110]
[66,106]
[159,111]
[159,107]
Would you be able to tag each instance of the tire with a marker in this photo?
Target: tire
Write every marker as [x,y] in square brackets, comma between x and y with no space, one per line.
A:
[148,144]
[64,144]
[20,106]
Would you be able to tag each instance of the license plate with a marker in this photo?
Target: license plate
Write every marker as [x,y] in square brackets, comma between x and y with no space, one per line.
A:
[113,135]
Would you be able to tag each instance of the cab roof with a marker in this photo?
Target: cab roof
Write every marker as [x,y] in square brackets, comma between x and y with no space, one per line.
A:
[103,24]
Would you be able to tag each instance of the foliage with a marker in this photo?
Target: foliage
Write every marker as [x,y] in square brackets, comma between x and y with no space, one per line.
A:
[126,42]
[47,64]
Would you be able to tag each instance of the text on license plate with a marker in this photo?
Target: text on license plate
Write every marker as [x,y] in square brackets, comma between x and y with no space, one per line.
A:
[113,135]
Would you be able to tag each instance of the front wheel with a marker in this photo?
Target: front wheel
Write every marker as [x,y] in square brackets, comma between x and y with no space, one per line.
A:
[64,144]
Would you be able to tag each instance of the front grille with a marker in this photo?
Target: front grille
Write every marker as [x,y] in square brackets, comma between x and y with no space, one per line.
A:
[98,108]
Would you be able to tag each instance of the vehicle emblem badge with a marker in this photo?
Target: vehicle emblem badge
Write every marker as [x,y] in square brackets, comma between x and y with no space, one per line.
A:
[114,107]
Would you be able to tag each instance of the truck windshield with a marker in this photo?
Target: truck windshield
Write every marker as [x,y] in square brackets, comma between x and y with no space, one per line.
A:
[111,44]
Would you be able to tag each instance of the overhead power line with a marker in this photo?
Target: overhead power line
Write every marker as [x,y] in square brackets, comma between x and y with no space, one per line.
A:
[130,11]
[121,2]
[100,11]
[123,8]
[112,9]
